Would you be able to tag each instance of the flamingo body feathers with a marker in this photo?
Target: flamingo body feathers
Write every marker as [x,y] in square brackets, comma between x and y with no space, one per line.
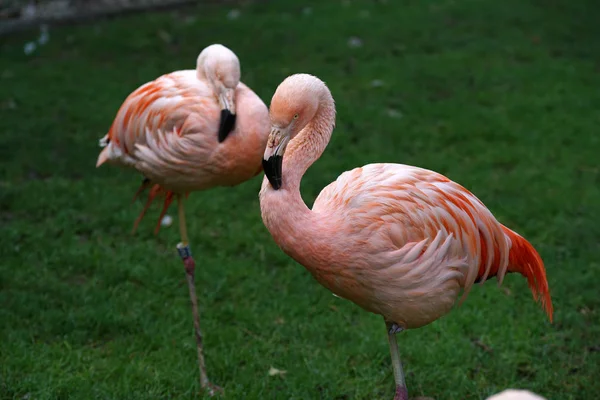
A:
[166,129]
[430,236]
[397,240]
[190,130]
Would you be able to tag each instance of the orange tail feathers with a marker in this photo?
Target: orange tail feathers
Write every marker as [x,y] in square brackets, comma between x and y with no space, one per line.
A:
[524,259]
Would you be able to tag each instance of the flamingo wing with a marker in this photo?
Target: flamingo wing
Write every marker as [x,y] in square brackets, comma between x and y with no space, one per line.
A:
[162,124]
[431,227]
[399,206]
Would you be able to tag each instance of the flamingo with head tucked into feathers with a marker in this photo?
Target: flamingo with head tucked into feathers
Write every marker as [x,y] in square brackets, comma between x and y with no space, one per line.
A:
[397,240]
[186,131]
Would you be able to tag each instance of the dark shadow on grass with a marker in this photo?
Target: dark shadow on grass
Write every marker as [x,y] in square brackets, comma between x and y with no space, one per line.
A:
[572,28]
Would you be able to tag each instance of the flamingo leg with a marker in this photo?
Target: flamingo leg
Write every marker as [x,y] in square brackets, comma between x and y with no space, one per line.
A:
[145,185]
[401,391]
[151,195]
[190,265]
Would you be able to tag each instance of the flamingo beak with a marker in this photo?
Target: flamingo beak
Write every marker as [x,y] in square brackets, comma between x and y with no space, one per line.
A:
[273,157]
[272,168]
[228,116]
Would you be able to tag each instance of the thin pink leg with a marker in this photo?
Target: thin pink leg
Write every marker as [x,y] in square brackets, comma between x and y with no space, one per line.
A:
[401,391]
[145,185]
[190,267]
[154,191]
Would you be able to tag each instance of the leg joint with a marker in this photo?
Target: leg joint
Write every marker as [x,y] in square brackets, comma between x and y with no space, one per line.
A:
[184,251]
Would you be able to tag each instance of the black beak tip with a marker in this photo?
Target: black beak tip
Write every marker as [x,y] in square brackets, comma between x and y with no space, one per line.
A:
[226,124]
[272,168]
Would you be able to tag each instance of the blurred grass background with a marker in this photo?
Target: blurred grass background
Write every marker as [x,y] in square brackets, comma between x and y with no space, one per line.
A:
[500,96]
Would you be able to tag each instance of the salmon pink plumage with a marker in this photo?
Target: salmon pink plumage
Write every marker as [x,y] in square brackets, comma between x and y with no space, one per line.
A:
[397,240]
[186,131]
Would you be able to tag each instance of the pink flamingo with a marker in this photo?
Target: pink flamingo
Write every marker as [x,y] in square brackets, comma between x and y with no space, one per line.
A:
[398,241]
[186,131]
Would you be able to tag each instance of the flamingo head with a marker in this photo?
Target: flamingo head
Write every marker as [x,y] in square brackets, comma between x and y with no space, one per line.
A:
[220,67]
[293,106]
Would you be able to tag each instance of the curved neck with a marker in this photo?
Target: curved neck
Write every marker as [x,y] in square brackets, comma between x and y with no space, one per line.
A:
[284,212]
[308,145]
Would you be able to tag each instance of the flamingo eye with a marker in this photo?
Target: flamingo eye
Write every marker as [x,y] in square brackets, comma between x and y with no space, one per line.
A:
[295,116]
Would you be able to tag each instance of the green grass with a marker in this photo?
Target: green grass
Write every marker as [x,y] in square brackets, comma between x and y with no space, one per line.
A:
[500,96]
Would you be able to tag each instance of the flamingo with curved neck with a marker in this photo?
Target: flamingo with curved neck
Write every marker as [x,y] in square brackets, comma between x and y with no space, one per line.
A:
[398,241]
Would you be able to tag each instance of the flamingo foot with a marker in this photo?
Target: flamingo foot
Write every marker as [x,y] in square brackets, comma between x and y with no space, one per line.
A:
[213,389]
[401,393]
[190,266]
